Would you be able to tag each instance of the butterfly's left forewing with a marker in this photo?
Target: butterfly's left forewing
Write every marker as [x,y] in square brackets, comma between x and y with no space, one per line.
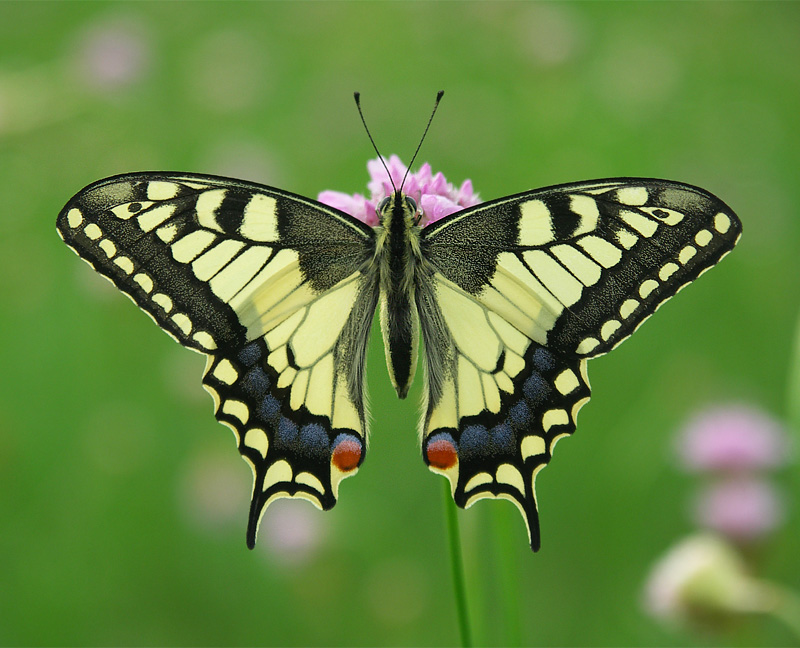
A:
[524,290]
[275,289]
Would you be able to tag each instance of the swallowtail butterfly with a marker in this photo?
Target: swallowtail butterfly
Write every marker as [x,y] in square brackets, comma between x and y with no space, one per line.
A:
[510,297]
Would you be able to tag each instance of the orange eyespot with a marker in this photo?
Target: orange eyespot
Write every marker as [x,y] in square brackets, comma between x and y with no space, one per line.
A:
[347,454]
[441,453]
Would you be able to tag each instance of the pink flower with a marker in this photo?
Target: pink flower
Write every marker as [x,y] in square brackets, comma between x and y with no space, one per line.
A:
[435,196]
[733,438]
[113,54]
[292,532]
[740,508]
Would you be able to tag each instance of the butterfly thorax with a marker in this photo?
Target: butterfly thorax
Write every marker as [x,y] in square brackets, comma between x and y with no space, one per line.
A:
[398,255]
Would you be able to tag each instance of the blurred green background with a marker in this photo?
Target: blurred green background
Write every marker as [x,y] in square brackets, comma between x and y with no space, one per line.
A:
[123,503]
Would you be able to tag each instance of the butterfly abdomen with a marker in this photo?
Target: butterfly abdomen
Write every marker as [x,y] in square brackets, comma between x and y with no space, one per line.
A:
[397,261]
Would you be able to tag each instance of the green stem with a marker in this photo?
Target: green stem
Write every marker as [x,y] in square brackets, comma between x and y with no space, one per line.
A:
[787,609]
[508,571]
[457,568]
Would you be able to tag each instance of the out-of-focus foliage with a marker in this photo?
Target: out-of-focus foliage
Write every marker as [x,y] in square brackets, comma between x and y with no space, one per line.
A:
[123,503]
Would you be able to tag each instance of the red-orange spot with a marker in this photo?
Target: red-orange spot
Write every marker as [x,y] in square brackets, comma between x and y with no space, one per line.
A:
[347,454]
[441,454]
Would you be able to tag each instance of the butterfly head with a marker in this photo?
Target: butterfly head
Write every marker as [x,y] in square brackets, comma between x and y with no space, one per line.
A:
[398,207]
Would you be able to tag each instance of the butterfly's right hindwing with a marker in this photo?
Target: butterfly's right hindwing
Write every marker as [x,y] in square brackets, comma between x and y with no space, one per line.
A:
[274,288]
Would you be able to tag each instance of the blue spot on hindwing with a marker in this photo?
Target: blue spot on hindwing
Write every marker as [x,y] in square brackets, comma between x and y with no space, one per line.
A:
[286,434]
[314,442]
[501,440]
[543,360]
[269,409]
[250,354]
[255,382]
[477,442]
[474,439]
[520,415]
[536,389]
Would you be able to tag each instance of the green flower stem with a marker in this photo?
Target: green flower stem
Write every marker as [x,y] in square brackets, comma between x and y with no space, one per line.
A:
[787,609]
[457,567]
[506,544]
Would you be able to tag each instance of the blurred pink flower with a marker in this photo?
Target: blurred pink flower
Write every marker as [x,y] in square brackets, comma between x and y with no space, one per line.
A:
[291,532]
[733,438]
[741,508]
[112,54]
[435,196]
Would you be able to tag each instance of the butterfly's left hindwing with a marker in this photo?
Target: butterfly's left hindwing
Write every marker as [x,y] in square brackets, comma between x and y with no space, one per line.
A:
[497,401]
[520,291]
[274,288]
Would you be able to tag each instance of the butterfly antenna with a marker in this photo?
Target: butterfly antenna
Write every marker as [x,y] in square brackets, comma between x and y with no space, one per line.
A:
[439,96]
[357,97]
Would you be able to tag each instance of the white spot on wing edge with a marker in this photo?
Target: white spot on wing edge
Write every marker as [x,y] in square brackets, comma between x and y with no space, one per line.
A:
[648,286]
[125,264]
[609,328]
[183,323]
[554,417]
[532,445]
[74,217]
[204,339]
[256,439]
[308,479]
[566,382]
[164,301]
[722,222]
[632,195]
[628,307]
[93,231]
[108,247]
[144,281]
[236,409]
[703,237]
[667,270]
[478,480]
[685,254]
[508,474]
[280,471]
[162,190]
[225,372]
[587,345]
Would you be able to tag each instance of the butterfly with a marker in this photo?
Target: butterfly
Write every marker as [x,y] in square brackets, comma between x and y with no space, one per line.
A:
[510,299]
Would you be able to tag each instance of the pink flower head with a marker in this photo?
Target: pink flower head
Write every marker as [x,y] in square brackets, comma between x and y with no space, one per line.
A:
[435,196]
[733,438]
[741,508]
[113,54]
